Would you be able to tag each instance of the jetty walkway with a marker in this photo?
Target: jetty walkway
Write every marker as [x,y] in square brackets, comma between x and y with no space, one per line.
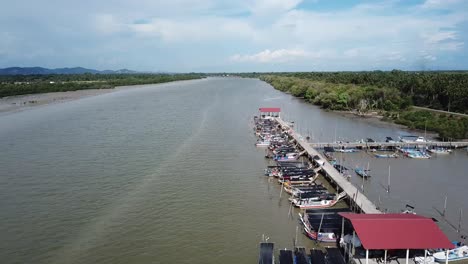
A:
[353,192]
[363,145]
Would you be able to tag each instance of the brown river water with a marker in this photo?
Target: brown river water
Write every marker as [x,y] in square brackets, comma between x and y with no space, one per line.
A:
[168,173]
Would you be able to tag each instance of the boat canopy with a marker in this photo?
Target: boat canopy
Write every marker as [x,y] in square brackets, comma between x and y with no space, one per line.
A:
[397,231]
[270,109]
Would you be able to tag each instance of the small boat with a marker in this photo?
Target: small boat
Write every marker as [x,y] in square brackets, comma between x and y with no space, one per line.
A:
[362,172]
[311,204]
[458,253]
[393,155]
[262,144]
[266,253]
[286,256]
[440,150]
[314,204]
[418,155]
[346,150]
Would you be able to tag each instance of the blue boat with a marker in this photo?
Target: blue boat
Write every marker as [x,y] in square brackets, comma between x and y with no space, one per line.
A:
[362,172]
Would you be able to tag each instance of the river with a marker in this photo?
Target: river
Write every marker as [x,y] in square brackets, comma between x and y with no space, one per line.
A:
[168,174]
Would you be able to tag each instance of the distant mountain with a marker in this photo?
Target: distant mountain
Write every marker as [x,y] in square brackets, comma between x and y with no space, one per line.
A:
[75,70]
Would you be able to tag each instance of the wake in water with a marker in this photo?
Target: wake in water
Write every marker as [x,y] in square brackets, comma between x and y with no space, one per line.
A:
[96,231]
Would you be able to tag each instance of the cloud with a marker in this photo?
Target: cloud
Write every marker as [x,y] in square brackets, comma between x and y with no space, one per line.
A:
[183,34]
[273,6]
[440,4]
[280,55]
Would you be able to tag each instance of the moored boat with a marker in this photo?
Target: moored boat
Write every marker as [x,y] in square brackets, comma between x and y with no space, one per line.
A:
[440,150]
[362,172]
[393,155]
[455,254]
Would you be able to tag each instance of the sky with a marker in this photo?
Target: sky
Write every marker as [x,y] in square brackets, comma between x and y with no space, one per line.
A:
[235,36]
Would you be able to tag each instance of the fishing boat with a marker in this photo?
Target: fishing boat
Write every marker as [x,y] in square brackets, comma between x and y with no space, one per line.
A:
[393,155]
[418,155]
[323,225]
[287,157]
[286,256]
[458,253]
[263,143]
[314,204]
[346,150]
[440,150]
[362,172]
[266,253]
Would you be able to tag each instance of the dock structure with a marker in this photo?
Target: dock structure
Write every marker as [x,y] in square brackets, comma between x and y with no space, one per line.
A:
[364,145]
[352,192]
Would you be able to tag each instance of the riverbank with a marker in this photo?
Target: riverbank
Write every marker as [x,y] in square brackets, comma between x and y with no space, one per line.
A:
[23,102]
[388,104]
[29,101]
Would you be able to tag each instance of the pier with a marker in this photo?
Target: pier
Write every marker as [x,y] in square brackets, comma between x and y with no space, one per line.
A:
[331,173]
[364,145]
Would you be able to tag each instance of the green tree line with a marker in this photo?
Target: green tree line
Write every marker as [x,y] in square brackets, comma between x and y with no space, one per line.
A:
[31,84]
[336,91]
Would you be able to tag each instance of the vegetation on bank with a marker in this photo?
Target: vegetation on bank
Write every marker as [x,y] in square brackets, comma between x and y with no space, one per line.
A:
[338,91]
[31,84]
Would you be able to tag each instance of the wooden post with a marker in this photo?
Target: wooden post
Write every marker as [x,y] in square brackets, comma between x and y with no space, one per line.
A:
[342,228]
[445,205]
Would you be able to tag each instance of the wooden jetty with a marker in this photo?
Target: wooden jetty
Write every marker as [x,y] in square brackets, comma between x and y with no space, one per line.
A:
[353,193]
[364,145]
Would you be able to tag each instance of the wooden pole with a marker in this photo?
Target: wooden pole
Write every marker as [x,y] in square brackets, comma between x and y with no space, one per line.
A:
[320,226]
[460,220]
[445,205]
[388,184]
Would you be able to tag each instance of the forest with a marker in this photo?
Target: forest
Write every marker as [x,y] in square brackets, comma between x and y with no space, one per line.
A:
[391,94]
[29,84]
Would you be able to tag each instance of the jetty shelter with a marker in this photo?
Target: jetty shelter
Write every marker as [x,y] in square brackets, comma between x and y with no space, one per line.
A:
[270,111]
[391,235]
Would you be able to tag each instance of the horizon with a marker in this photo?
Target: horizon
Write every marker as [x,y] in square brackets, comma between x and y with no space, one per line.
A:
[209,36]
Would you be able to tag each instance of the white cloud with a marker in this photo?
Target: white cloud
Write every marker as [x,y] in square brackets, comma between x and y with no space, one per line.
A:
[440,4]
[280,55]
[268,6]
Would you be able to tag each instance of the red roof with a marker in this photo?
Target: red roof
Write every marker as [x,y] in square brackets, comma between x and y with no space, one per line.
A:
[270,109]
[397,231]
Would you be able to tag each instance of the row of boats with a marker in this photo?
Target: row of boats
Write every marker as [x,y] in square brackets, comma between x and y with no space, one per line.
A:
[320,218]
[299,255]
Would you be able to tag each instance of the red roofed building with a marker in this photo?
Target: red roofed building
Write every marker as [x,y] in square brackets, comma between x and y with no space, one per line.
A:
[270,111]
[397,232]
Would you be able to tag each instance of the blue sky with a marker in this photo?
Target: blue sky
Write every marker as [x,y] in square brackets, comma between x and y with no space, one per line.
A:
[232,36]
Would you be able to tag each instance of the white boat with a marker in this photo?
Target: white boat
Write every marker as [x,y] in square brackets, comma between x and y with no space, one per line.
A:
[345,150]
[393,155]
[458,253]
[440,150]
[310,204]
[313,204]
[262,144]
